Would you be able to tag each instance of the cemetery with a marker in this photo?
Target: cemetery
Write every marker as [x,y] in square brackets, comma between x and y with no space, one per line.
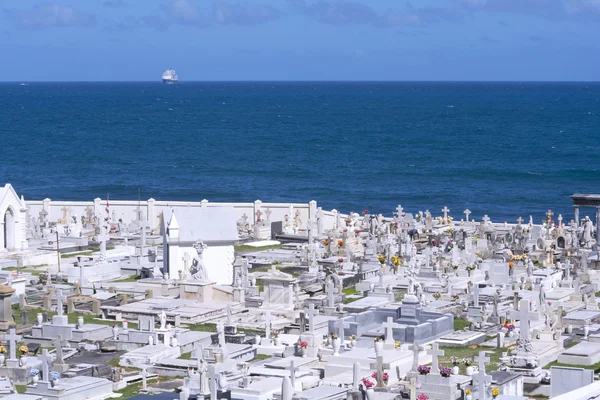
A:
[261,301]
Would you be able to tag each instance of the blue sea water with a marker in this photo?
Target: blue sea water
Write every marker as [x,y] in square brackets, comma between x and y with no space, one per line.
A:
[502,149]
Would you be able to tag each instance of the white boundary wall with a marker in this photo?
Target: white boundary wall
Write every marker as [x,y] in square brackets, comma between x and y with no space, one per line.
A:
[152,209]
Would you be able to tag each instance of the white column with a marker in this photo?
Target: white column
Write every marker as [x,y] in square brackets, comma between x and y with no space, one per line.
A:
[257,207]
[151,214]
[312,210]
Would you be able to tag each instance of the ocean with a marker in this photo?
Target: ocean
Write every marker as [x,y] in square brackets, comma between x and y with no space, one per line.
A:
[501,149]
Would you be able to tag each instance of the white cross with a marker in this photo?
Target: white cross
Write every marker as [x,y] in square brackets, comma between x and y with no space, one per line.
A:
[524,316]
[416,348]
[186,259]
[520,220]
[467,212]
[560,219]
[330,289]
[445,210]
[311,317]
[144,375]
[292,370]
[45,358]
[486,219]
[483,381]
[12,338]
[399,211]
[549,214]
[59,301]
[476,295]
[267,319]
[435,352]
[482,360]
[339,326]
[228,315]
[213,376]
[389,333]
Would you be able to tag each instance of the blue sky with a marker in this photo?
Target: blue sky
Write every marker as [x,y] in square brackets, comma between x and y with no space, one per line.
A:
[300,39]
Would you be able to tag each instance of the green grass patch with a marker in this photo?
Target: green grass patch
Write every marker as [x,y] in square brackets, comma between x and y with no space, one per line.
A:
[134,389]
[470,352]
[207,327]
[350,291]
[597,294]
[461,324]
[538,396]
[246,248]
[349,300]
[21,388]
[81,253]
[186,356]
[134,278]
[595,367]
[260,357]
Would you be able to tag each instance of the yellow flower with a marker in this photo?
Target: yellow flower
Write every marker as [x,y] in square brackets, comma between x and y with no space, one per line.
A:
[495,392]
[381,258]
[2,349]
[24,349]
[468,391]
[397,345]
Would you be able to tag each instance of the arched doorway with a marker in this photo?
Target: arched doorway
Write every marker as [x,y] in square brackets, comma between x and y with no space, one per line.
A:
[9,229]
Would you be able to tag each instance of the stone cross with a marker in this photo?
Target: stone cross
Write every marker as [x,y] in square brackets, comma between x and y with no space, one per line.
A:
[399,211]
[560,220]
[485,219]
[516,300]
[229,322]
[59,351]
[524,316]
[186,259]
[45,358]
[213,376]
[267,319]
[380,275]
[389,333]
[356,372]
[476,295]
[434,353]
[66,214]
[549,214]
[483,380]
[379,367]
[416,348]
[292,370]
[467,213]
[59,301]
[144,374]
[330,289]
[339,326]
[567,269]
[268,214]
[311,317]
[12,339]
[445,210]
[520,220]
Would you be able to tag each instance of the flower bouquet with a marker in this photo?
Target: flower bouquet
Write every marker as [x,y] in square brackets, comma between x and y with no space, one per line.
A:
[397,345]
[423,369]
[340,260]
[303,344]
[445,372]
[422,396]
[326,242]
[467,361]
[495,392]
[437,295]
[340,243]
[385,376]
[368,383]
[2,349]
[455,297]
[396,261]
[454,360]
[381,259]
[34,372]
[24,350]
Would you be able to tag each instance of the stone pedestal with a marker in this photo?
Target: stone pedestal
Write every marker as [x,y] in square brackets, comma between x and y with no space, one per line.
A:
[6,318]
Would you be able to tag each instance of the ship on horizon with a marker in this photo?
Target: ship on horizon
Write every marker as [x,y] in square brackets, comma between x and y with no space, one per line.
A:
[170,76]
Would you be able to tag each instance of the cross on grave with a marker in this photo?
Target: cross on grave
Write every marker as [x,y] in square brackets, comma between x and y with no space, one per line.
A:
[520,220]
[311,317]
[59,351]
[379,368]
[482,360]
[339,326]
[186,259]
[483,380]
[435,352]
[476,295]
[144,375]
[485,219]
[560,220]
[65,210]
[467,213]
[389,325]
[330,289]
[416,348]
[445,210]
[516,299]
[198,352]
[268,214]
[267,319]
[549,214]
[524,316]
[567,269]
[45,358]
[399,211]
[213,377]
[292,370]
[229,322]
[12,339]
[59,302]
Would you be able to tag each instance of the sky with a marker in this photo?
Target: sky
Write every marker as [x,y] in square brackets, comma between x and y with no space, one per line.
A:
[205,40]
